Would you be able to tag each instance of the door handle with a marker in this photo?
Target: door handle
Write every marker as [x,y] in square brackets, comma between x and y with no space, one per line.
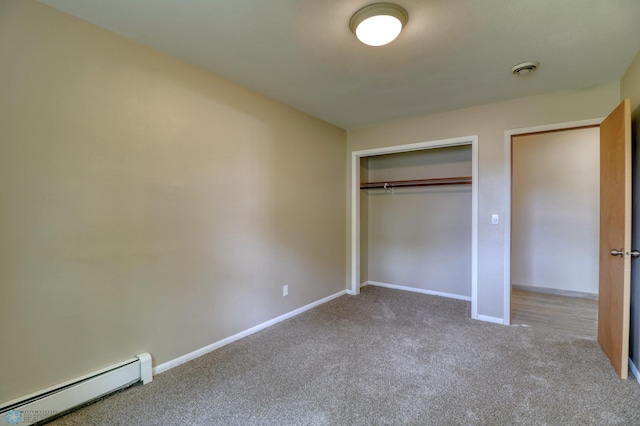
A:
[618,253]
[633,253]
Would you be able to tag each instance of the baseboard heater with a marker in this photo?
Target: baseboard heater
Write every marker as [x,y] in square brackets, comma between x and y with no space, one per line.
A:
[52,402]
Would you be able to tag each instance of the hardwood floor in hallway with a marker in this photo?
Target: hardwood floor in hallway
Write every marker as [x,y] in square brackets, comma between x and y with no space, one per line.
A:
[561,314]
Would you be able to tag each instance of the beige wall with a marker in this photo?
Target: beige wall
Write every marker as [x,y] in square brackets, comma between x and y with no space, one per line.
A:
[630,83]
[489,122]
[420,237]
[555,213]
[630,88]
[148,205]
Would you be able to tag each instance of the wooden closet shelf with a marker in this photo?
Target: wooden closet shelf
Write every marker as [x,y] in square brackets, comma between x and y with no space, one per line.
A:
[461,180]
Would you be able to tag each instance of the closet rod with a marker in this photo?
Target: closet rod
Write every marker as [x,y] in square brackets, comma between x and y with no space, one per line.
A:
[461,180]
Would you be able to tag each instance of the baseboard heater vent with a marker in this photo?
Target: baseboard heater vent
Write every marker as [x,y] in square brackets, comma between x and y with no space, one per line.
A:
[52,402]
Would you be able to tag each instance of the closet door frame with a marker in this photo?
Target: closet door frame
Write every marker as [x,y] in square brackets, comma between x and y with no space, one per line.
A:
[508,136]
[355,205]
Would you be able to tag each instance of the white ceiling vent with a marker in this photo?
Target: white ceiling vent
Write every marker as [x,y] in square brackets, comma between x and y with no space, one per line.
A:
[525,68]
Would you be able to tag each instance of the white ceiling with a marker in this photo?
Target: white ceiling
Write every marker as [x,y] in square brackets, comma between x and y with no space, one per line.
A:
[452,53]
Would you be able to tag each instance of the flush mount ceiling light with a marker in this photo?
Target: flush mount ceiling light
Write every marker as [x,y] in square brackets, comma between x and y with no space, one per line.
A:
[525,68]
[378,23]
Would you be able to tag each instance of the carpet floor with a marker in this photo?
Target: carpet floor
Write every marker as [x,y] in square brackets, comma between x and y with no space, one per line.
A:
[385,357]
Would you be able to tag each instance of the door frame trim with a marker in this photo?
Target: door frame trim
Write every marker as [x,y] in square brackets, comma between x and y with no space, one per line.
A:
[355,205]
[508,134]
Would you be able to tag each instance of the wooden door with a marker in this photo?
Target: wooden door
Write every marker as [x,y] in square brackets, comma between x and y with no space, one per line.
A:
[615,237]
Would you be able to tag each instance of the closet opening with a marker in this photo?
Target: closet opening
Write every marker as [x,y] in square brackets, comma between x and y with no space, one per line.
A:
[554,229]
[414,218]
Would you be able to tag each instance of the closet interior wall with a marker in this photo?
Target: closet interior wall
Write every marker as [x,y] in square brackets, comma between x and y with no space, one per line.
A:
[418,237]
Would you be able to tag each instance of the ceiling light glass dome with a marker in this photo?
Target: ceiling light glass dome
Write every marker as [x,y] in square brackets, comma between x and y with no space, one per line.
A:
[379,23]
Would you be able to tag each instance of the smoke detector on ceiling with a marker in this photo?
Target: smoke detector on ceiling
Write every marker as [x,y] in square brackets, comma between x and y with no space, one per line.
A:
[525,68]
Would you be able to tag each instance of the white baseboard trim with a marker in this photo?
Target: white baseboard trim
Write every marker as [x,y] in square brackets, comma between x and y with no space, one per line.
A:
[484,318]
[418,290]
[555,291]
[634,370]
[212,347]
[493,320]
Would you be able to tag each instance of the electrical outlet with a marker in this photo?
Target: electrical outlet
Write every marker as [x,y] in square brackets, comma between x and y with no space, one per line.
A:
[285,290]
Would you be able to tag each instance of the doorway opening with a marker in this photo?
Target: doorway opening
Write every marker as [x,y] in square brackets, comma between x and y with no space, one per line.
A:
[552,228]
[555,204]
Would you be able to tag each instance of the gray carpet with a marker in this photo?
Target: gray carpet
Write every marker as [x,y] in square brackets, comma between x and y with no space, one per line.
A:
[386,357]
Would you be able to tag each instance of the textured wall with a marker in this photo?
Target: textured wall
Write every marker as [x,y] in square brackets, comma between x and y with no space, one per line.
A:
[148,205]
